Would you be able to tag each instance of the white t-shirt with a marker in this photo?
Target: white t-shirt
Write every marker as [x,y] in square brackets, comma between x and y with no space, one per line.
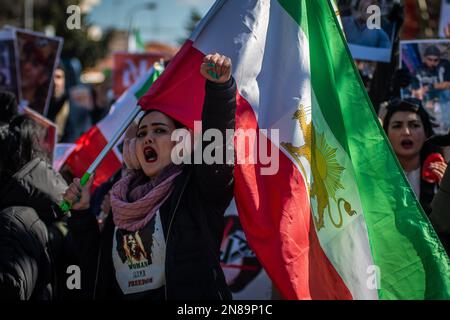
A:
[139,257]
[414,181]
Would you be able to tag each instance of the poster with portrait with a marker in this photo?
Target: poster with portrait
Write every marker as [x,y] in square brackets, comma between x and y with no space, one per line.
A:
[444,20]
[244,274]
[129,67]
[38,56]
[369,32]
[9,80]
[429,63]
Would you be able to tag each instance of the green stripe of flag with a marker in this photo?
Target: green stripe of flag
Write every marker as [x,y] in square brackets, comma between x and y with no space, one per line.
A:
[143,90]
[412,261]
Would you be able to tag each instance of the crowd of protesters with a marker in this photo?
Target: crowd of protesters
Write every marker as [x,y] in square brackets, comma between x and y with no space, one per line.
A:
[38,241]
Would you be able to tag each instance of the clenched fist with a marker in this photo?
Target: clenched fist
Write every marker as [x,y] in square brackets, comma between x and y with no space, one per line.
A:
[216,68]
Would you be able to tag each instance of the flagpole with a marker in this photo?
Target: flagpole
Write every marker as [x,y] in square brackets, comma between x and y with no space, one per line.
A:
[65,205]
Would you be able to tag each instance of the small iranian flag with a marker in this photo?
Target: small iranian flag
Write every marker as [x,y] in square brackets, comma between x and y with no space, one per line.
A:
[339,219]
[135,42]
[91,143]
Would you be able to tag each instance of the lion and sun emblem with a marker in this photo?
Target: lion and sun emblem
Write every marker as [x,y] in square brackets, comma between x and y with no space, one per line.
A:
[326,172]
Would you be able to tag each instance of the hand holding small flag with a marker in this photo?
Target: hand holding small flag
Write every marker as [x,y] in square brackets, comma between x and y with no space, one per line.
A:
[78,195]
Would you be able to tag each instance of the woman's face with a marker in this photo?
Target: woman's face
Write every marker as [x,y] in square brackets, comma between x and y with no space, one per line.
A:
[153,145]
[406,133]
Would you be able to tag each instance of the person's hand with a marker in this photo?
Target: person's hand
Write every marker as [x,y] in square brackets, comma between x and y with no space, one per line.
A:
[438,168]
[77,195]
[129,154]
[216,64]
[439,86]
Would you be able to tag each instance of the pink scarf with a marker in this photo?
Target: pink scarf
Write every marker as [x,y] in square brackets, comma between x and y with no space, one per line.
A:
[134,203]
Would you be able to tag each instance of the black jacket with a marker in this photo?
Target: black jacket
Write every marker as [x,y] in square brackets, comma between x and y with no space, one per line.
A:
[192,220]
[427,192]
[28,210]
[440,215]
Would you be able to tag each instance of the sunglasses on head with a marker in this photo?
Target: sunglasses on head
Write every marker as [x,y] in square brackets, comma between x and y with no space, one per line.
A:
[411,102]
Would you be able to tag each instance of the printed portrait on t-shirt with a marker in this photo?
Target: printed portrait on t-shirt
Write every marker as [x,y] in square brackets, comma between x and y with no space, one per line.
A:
[133,249]
[139,258]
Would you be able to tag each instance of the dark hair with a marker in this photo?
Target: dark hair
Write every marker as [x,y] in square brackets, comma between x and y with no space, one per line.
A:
[8,106]
[178,124]
[19,144]
[432,51]
[60,66]
[409,105]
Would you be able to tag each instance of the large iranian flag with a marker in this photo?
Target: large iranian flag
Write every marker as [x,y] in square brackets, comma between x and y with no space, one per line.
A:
[339,219]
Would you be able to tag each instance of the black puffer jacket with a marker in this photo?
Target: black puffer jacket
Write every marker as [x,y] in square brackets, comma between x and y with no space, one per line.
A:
[192,221]
[28,210]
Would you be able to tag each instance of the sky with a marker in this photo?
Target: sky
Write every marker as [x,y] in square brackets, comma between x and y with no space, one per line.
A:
[166,23]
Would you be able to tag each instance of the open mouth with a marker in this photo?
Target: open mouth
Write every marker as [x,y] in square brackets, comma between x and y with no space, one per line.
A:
[150,154]
[407,143]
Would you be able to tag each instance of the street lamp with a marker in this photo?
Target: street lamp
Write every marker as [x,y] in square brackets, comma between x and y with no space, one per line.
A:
[28,10]
[133,10]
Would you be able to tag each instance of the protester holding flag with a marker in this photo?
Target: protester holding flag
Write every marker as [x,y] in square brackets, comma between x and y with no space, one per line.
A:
[163,237]
[408,125]
[338,219]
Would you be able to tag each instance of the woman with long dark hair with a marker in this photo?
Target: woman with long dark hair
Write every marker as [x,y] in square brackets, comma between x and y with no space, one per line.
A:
[31,245]
[408,126]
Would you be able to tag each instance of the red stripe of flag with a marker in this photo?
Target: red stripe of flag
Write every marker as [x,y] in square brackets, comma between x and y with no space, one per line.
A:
[89,146]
